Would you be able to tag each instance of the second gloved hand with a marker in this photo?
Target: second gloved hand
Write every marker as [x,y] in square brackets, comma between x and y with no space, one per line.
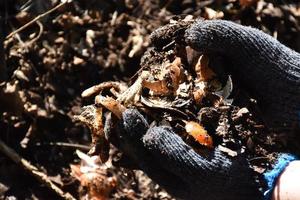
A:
[264,66]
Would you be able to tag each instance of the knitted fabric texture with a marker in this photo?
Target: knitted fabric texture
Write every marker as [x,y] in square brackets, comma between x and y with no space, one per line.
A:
[267,68]
[166,158]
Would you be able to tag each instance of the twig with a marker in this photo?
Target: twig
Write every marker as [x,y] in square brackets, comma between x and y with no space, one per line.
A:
[258,158]
[64,144]
[40,176]
[96,89]
[36,19]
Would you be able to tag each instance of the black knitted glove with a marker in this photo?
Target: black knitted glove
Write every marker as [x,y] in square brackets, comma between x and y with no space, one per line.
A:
[268,69]
[164,156]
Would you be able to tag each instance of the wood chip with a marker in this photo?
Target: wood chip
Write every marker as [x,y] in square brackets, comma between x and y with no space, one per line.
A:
[227,151]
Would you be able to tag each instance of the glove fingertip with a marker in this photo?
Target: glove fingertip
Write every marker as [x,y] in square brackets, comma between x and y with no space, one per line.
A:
[134,123]
[206,35]
[197,36]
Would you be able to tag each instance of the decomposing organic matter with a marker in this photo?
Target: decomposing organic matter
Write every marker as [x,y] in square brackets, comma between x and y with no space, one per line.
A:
[192,94]
[181,84]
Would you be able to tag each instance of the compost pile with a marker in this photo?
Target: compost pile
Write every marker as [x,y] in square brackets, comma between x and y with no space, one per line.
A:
[177,83]
[177,86]
[51,51]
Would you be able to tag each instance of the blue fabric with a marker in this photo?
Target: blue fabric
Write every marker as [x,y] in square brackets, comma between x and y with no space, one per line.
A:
[272,175]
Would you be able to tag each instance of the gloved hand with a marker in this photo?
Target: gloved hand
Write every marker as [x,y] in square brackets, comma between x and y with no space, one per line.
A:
[266,68]
[165,157]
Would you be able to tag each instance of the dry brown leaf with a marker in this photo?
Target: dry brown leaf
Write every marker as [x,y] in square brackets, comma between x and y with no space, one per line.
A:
[158,87]
[198,95]
[162,87]
[175,73]
[204,73]
[93,178]
[92,117]
[111,104]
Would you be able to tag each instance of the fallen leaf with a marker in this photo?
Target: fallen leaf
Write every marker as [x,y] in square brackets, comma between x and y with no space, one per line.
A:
[93,177]
[204,73]
[111,104]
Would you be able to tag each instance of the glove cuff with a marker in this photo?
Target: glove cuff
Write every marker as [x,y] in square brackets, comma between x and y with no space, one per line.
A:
[271,176]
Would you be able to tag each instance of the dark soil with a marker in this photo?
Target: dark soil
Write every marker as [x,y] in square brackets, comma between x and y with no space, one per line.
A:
[45,67]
